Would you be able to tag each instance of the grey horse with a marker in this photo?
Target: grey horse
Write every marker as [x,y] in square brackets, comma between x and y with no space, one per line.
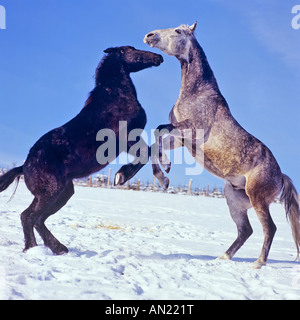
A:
[252,174]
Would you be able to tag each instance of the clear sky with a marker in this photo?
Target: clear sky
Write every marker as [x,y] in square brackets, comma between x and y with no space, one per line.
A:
[50,49]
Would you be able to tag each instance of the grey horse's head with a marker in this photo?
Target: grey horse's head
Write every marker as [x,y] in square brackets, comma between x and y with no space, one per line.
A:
[172,41]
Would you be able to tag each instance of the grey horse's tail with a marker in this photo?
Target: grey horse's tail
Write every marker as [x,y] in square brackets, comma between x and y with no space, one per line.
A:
[289,197]
[9,177]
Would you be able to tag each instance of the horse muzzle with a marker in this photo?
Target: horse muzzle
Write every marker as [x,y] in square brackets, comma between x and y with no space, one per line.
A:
[151,39]
[158,60]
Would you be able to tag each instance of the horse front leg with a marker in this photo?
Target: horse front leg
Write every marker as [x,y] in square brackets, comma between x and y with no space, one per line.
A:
[159,175]
[129,170]
[176,133]
[168,143]
[141,154]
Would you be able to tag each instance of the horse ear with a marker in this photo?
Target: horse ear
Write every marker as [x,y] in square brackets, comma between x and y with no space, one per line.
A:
[110,50]
[193,27]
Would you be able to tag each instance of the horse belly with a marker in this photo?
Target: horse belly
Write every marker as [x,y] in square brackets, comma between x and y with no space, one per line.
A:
[217,161]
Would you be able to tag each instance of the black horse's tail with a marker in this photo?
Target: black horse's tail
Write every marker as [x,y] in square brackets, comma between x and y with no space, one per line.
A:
[9,177]
[289,197]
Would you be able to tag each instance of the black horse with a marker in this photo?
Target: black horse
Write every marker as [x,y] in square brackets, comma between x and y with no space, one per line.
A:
[69,151]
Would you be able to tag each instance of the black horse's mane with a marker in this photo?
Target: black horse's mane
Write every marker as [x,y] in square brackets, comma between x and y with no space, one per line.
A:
[108,70]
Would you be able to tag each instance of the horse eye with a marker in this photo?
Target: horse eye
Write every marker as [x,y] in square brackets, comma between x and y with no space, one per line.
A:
[178,31]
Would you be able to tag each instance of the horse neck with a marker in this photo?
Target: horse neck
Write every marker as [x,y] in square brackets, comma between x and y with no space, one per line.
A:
[196,73]
[112,73]
[112,78]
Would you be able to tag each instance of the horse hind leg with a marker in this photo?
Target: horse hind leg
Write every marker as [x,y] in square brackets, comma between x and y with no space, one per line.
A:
[262,193]
[49,240]
[35,215]
[27,225]
[238,203]
[269,229]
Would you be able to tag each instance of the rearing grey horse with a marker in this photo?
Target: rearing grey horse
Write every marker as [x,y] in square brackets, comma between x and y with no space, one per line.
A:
[253,177]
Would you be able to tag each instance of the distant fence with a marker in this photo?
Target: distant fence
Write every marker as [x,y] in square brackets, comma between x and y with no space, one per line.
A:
[105,181]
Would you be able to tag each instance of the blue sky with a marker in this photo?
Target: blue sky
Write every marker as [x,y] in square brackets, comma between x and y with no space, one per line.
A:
[50,50]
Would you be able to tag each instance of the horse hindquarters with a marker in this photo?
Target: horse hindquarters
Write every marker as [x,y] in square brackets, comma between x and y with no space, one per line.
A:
[51,193]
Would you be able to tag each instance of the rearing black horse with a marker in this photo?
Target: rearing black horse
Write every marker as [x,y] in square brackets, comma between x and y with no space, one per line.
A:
[69,151]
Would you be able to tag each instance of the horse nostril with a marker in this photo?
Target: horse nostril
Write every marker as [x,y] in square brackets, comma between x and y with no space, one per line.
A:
[150,35]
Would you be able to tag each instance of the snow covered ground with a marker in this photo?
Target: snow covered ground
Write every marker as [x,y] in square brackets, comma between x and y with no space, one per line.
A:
[142,245]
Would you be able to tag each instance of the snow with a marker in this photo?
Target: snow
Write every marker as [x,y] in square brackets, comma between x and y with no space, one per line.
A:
[141,245]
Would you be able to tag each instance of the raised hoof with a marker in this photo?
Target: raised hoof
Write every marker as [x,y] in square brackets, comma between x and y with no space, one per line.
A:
[165,184]
[119,179]
[258,264]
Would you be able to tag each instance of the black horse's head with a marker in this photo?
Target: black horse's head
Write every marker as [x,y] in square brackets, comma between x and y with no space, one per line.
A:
[135,60]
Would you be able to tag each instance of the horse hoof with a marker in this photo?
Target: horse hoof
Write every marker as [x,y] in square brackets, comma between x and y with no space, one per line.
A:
[258,264]
[224,256]
[165,184]
[119,179]
[27,247]
[60,250]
